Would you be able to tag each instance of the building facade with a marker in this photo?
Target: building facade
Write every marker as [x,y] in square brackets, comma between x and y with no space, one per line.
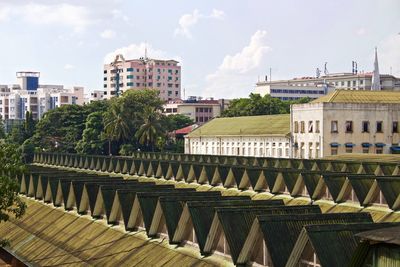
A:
[29,95]
[143,73]
[199,110]
[346,122]
[255,136]
[316,87]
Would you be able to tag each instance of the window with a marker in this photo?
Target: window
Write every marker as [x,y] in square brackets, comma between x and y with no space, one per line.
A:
[379,126]
[349,149]
[129,69]
[395,127]
[302,127]
[379,150]
[334,126]
[310,126]
[334,150]
[317,126]
[105,86]
[130,76]
[296,126]
[365,126]
[349,126]
[365,150]
[129,84]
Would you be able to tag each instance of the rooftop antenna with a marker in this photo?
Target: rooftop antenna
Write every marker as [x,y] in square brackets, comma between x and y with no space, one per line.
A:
[270,74]
[145,50]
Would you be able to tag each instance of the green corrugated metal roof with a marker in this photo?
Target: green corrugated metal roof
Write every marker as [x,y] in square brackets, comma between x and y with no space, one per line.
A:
[329,241]
[249,125]
[281,232]
[236,222]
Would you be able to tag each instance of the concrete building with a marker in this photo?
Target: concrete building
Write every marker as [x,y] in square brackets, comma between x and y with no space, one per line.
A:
[29,95]
[198,109]
[314,87]
[142,73]
[96,95]
[256,136]
[346,121]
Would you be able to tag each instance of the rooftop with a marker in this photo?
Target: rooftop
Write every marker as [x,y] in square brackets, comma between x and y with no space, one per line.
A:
[246,125]
[360,96]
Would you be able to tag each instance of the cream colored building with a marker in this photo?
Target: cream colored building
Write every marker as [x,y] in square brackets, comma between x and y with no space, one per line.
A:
[199,110]
[346,121]
[255,136]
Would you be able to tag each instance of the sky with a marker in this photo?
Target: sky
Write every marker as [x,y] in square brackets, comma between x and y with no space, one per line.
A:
[224,46]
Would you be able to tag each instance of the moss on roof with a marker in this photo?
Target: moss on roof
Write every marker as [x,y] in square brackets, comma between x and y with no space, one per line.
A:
[360,96]
[247,125]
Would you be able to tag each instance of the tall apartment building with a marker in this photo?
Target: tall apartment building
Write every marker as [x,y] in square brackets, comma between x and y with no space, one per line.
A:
[143,73]
[29,95]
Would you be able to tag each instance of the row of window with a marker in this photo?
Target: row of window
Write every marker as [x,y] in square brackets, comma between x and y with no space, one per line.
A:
[348,127]
[292,91]
[243,144]
[365,127]
[171,110]
[150,84]
[310,128]
[203,119]
[207,110]
[139,70]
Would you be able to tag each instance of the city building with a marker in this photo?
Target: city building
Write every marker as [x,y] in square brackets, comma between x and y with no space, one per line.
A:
[143,73]
[315,87]
[346,121]
[198,109]
[257,136]
[96,95]
[29,95]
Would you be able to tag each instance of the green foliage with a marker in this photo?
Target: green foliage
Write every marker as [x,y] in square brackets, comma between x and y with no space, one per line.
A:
[2,130]
[10,166]
[16,135]
[29,125]
[126,150]
[28,150]
[92,141]
[61,129]
[176,121]
[257,105]
[150,131]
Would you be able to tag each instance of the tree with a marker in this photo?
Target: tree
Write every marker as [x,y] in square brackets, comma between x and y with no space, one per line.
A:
[10,202]
[257,105]
[176,121]
[61,129]
[116,123]
[92,142]
[150,131]
[2,130]
[29,125]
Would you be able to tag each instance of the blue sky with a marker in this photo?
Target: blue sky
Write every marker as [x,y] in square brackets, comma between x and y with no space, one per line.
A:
[223,46]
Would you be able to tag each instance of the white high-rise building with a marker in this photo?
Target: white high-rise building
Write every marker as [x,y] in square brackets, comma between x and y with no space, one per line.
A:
[29,95]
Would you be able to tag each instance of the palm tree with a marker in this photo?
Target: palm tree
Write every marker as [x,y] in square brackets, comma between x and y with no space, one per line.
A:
[151,129]
[116,125]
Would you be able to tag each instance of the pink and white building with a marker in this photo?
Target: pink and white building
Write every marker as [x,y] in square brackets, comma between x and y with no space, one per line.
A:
[143,73]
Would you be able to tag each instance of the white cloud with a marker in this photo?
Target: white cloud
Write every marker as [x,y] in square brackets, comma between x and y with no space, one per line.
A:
[187,21]
[389,55]
[361,31]
[4,13]
[74,16]
[237,73]
[218,14]
[107,34]
[118,14]
[133,51]
[69,67]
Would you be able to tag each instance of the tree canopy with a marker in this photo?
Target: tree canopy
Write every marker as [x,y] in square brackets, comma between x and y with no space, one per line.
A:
[258,105]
